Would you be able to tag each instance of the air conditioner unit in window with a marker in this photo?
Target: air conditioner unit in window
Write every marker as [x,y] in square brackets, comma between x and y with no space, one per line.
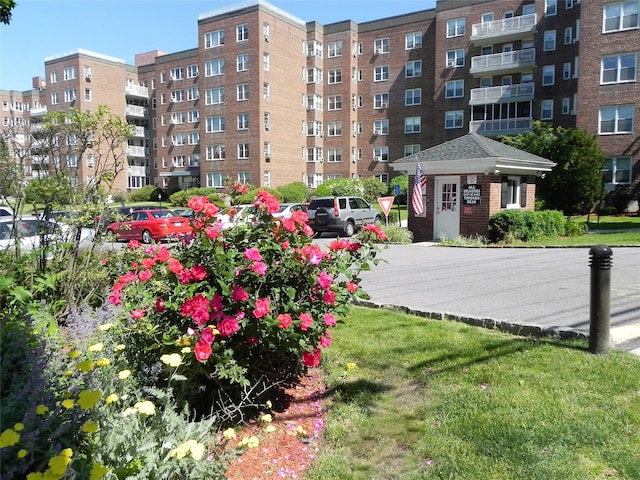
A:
[355,134]
[88,78]
[384,105]
[266,38]
[321,134]
[353,160]
[266,127]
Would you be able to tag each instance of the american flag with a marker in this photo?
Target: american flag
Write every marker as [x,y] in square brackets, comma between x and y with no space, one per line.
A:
[419,181]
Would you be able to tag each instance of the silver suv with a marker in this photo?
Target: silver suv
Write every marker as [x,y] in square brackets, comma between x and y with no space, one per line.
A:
[341,214]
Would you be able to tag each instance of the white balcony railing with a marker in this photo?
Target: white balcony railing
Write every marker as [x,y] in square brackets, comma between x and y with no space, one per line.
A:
[138,132]
[502,94]
[504,27]
[137,171]
[133,151]
[512,61]
[505,126]
[136,111]
[136,91]
[39,111]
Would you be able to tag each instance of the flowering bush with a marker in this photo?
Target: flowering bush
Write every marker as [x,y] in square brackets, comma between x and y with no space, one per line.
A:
[247,308]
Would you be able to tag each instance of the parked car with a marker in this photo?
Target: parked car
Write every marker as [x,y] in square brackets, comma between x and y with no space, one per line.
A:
[287,209]
[237,215]
[183,212]
[149,225]
[6,211]
[344,215]
[113,214]
[31,229]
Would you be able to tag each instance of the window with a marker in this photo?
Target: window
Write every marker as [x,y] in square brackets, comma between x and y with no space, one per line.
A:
[314,75]
[243,121]
[381,127]
[617,170]
[528,9]
[216,179]
[177,161]
[243,151]
[546,110]
[413,40]
[383,177]
[265,31]
[194,160]
[87,94]
[411,149]
[616,119]
[314,129]
[412,125]
[619,68]
[312,102]
[334,155]
[266,62]
[568,35]
[69,73]
[566,71]
[454,89]
[214,39]
[70,95]
[215,124]
[549,40]
[242,33]
[177,118]
[335,49]
[381,100]
[413,96]
[334,129]
[193,71]
[313,154]
[455,58]
[266,91]
[455,27]
[193,94]
[314,48]
[216,152]
[381,45]
[242,92]
[178,139]
[193,138]
[242,62]
[72,139]
[413,69]
[335,76]
[550,7]
[381,154]
[335,102]
[620,16]
[53,77]
[176,74]
[214,67]
[381,73]
[513,193]
[89,160]
[266,150]
[453,119]
[548,75]
[244,177]
[214,96]
[566,106]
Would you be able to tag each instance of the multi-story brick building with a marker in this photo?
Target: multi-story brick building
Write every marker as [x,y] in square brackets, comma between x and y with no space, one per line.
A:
[267,98]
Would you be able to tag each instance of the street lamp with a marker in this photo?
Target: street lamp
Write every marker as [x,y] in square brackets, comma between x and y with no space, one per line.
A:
[160,199]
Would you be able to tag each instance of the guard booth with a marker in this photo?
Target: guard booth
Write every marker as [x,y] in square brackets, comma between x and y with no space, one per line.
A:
[466,181]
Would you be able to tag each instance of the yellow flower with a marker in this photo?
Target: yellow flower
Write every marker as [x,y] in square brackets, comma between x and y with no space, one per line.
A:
[22,453]
[250,442]
[351,366]
[34,476]
[124,374]
[105,326]
[129,411]
[8,438]
[85,366]
[186,350]
[173,360]
[119,347]
[68,403]
[197,450]
[58,464]
[74,354]
[180,451]
[88,398]
[42,409]
[270,428]
[18,427]
[102,362]
[229,434]
[266,418]
[98,471]
[146,407]
[111,398]
[268,404]
[68,373]
[90,427]
[96,347]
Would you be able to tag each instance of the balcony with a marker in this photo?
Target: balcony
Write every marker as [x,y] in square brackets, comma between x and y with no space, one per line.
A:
[503,31]
[137,91]
[505,126]
[139,152]
[503,63]
[137,171]
[136,111]
[39,111]
[138,132]
[502,94]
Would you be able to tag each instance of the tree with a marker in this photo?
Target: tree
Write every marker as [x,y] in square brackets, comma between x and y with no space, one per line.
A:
[373,189]
[575,184]
[6,7]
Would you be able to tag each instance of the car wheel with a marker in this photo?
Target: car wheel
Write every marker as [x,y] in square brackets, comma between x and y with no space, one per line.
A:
[146,236]
[110,236]
[349,229]
[377,220]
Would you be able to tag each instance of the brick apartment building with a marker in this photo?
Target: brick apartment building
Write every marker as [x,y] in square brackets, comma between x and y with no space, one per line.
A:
[268,99]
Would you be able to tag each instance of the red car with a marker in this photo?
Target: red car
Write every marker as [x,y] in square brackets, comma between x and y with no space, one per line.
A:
[149,225]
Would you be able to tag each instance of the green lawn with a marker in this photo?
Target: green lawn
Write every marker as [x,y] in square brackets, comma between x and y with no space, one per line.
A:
[434,399]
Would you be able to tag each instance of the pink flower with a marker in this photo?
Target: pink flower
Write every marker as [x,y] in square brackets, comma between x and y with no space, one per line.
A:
[198,273]
[212,233]
[329,297]
[115,298]
[269,201]
[145,275]
[216,302]
[228,326]
[259,268]
[252,254]
[202,351]
[324,280]
[211,209]
[184,276]
[329,320]
[313,253]
[326,339]
[285,244]
[305,321]
[262,308]
[175,266]
[137,314]
[340,244]
[285,320]
[239,294]
[312,359]
[197,203]
[163,254]
[289,225]
[148,262]
[377,230]
[352,287]
[299,216]
[133,244]
[196,307]
[207,335]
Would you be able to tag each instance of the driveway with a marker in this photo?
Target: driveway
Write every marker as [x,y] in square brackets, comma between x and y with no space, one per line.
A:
[546,287]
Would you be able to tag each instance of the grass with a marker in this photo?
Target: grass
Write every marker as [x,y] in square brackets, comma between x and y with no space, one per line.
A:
[609,222]
[442,400]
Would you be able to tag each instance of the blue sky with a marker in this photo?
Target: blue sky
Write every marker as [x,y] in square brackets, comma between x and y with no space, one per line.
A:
[43,28]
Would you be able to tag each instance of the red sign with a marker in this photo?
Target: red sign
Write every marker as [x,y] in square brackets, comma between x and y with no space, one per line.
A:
[385,203]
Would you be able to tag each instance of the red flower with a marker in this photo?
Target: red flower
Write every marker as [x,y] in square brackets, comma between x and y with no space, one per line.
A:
[184,276]
[212,233]
[252,254]
[197,203]
[228,326]
[115,298]
[148,262]
[198,273]
[329,319]
[262,308]
[202,351]
[377,230]
[312,359]
[163,254]
[196,307]
[329,297]
[253,340]
[239,294]
[216,302]
[175,266]
[160,307]
[285,320]
[207,335]
[137,314]
[305,321]
[145,275]
[341,244]
[352,287]
[269,201]
[211,209]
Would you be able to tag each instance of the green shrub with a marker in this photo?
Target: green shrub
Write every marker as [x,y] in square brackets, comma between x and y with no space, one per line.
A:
[252,195]
[525,225]
[119,197]
[181,198]
[293,192]
[143,194]
[574,229]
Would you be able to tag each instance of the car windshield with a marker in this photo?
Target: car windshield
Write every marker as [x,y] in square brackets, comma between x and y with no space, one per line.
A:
[321,202]
[163,214]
